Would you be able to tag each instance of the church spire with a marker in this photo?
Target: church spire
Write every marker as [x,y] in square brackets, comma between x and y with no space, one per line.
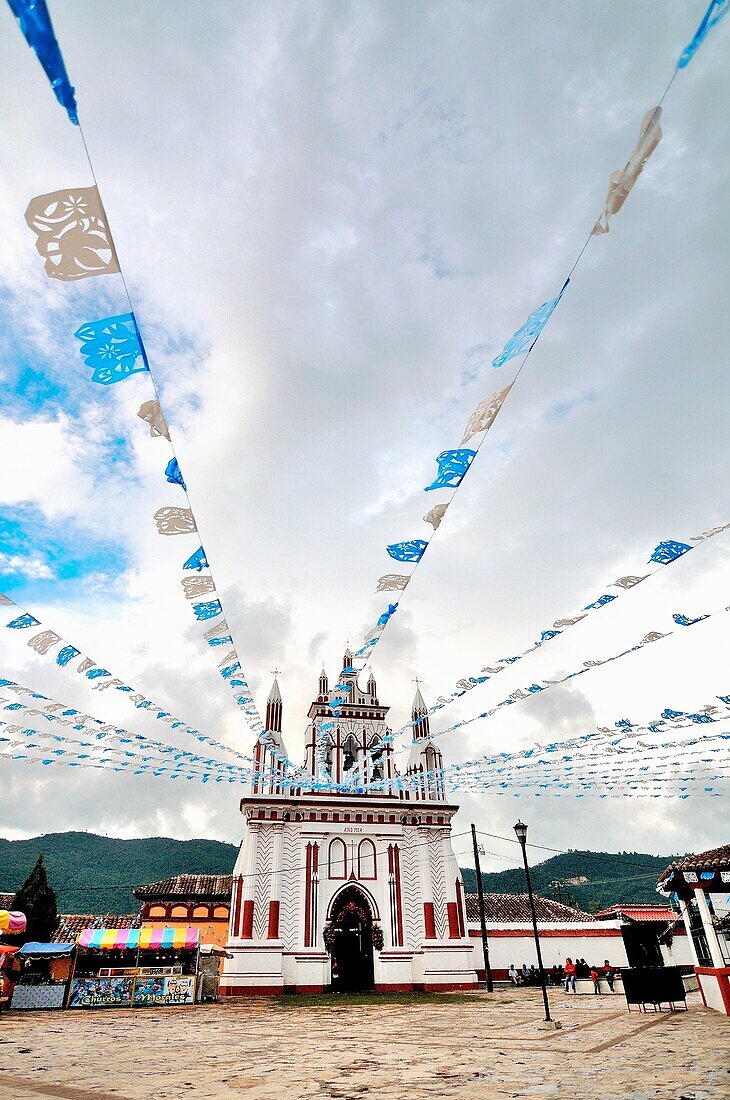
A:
[274,707]
[324,685]
[372,688]
[347,659]
[419,715]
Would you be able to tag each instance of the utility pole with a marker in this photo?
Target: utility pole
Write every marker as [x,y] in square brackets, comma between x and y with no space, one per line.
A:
[482,914]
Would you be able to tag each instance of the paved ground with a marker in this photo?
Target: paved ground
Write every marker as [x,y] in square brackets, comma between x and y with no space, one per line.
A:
[482,1047]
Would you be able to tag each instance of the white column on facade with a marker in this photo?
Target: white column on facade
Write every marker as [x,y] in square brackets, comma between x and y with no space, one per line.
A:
[248,889]
[451,867]
[710,934]
[425,875]
[276,876]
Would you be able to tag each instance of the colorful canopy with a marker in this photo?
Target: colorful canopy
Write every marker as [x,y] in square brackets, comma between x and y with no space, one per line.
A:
[147,939]
[11,921]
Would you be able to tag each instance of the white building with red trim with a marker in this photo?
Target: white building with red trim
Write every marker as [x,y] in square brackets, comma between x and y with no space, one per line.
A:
[701,885]
[625,935]
[347,890]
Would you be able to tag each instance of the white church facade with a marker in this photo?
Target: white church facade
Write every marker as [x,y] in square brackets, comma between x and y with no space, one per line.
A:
[347,891]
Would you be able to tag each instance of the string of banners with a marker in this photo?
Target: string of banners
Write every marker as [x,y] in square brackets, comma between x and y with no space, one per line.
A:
[454,463]
[624,731]
[50,644]
[60,714]
[665,553]
[650,638]
[110,738]
[573,770]
[619,738]
[298,777]
[75,241]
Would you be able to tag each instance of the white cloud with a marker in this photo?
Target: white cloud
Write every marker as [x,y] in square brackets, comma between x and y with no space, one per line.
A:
[328,235]
[31,566]
[42,463]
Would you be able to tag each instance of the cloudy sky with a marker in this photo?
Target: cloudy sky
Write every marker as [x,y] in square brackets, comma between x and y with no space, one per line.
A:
[331,217]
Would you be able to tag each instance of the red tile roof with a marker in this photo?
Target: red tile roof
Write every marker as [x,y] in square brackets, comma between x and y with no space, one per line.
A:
[73,924]
[715,859]
[639,912]
[515,909]
[210,887]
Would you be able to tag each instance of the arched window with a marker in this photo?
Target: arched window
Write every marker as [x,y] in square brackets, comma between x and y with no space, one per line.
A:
[157,911]
[337,859]
[366,860]
[349,753]
[201,911]
[179,912]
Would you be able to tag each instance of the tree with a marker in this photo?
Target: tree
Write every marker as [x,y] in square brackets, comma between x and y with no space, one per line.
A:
[37,900]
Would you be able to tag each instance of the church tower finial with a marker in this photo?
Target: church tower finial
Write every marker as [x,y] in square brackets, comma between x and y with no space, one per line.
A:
[274,706]
[419,715]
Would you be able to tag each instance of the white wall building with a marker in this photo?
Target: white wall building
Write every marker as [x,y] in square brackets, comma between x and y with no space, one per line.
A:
[347,891]
[628,936]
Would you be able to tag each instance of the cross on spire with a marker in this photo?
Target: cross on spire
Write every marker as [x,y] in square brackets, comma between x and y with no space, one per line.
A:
[276,672]
[416,681]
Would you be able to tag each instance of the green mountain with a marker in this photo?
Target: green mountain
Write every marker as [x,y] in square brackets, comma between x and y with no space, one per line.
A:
[612,879]
[96,874]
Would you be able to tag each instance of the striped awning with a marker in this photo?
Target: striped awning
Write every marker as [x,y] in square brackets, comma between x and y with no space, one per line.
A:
[147,939]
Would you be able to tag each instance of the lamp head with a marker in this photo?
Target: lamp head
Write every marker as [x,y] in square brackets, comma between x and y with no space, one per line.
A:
[521,831]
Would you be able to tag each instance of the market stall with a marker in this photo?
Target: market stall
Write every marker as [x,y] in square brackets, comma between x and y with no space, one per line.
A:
[123,967]
[43,977]
[11,923]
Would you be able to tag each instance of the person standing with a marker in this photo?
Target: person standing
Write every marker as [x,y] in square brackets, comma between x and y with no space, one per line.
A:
[596,979]
[569,975]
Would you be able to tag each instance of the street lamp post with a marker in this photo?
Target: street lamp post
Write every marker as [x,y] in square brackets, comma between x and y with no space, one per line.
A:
[521,831]
[482,914]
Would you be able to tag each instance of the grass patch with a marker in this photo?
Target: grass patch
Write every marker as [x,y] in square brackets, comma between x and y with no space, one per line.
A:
[352,1000]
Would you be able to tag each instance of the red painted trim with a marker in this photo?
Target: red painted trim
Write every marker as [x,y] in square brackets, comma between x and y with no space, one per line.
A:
[309,989]
[724,985]
[247,921]
[545,933]
[398,896]
[394,987]
[307,895]
[273,932]
[460,907]
[717,972]
[702,993]
[429,921]
[250,990]
[447,987]
[452,914]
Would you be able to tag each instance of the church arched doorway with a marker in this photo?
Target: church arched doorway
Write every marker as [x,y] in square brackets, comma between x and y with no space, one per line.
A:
[351,937]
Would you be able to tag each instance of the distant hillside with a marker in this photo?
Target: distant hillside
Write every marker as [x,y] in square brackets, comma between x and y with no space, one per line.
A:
[613,878]
[96,874]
